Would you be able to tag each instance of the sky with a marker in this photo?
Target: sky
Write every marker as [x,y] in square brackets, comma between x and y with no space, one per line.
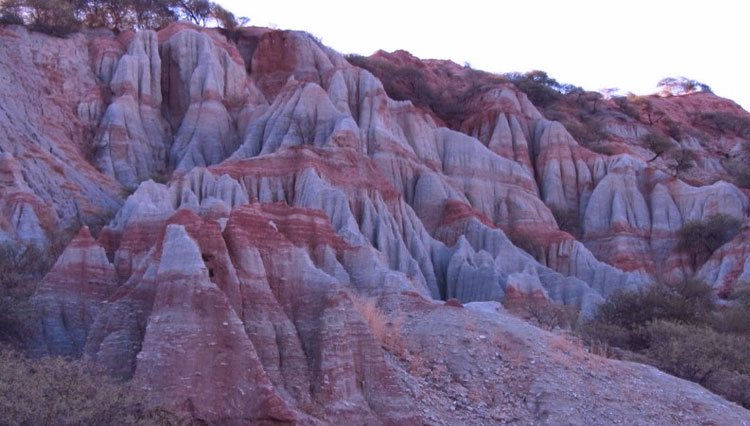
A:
[629,45]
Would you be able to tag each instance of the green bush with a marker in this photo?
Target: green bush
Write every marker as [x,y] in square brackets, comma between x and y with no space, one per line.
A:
[541,89]
[680,329]
[626,314]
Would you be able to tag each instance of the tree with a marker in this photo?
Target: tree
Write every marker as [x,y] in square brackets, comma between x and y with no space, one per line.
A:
[226,19]
[60,17]
[657,143]
[152,13]
[11,12]
[653,114]
[53,17]
[593,98]
[570,89]
[683,160]
[608,92]
[681,86]
[541,89]
[113,14]
[700,239]
[627,107]
[541,77]
[197,11]
[674,129]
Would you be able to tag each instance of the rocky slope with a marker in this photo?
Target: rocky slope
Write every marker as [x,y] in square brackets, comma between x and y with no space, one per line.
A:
[275,235]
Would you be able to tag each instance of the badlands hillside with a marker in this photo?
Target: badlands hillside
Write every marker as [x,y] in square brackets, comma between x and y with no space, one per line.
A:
[256,229]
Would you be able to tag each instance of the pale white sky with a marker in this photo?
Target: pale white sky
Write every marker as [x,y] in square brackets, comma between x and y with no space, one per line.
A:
[629,44]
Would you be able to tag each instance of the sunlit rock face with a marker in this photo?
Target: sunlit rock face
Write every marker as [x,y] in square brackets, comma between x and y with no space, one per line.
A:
[276,232]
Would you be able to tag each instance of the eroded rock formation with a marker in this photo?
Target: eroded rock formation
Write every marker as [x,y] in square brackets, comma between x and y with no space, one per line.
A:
[277,233]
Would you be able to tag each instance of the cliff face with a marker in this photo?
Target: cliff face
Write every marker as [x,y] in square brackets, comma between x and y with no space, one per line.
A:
[290,266]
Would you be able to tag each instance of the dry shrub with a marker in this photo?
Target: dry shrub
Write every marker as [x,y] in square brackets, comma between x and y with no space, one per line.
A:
[416,365]
[585,130]
[627,107]
[454,303]
[390,335]
[544,314]
[733,317]
[470,325]
[550,316]
[696,352]
[727,123]
[602,349]
[54,391]
[732,385]
[387,332]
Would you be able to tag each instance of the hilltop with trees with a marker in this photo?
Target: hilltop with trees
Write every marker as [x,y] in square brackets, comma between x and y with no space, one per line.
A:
[62,17]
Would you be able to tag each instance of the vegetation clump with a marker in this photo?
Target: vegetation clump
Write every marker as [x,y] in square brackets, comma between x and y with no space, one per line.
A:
[681,329]
[20,271]
[681,86]
[682,160]
[541,89]
[404,82]
[727,123]
[657,143]
[55,391]
[63,17]
[699,239]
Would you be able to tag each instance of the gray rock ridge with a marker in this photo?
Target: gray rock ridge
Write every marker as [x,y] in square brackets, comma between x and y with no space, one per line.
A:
[51,102]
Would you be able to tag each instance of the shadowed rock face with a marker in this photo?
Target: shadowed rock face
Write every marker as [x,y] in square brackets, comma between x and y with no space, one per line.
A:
[290,267]
[70,297]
